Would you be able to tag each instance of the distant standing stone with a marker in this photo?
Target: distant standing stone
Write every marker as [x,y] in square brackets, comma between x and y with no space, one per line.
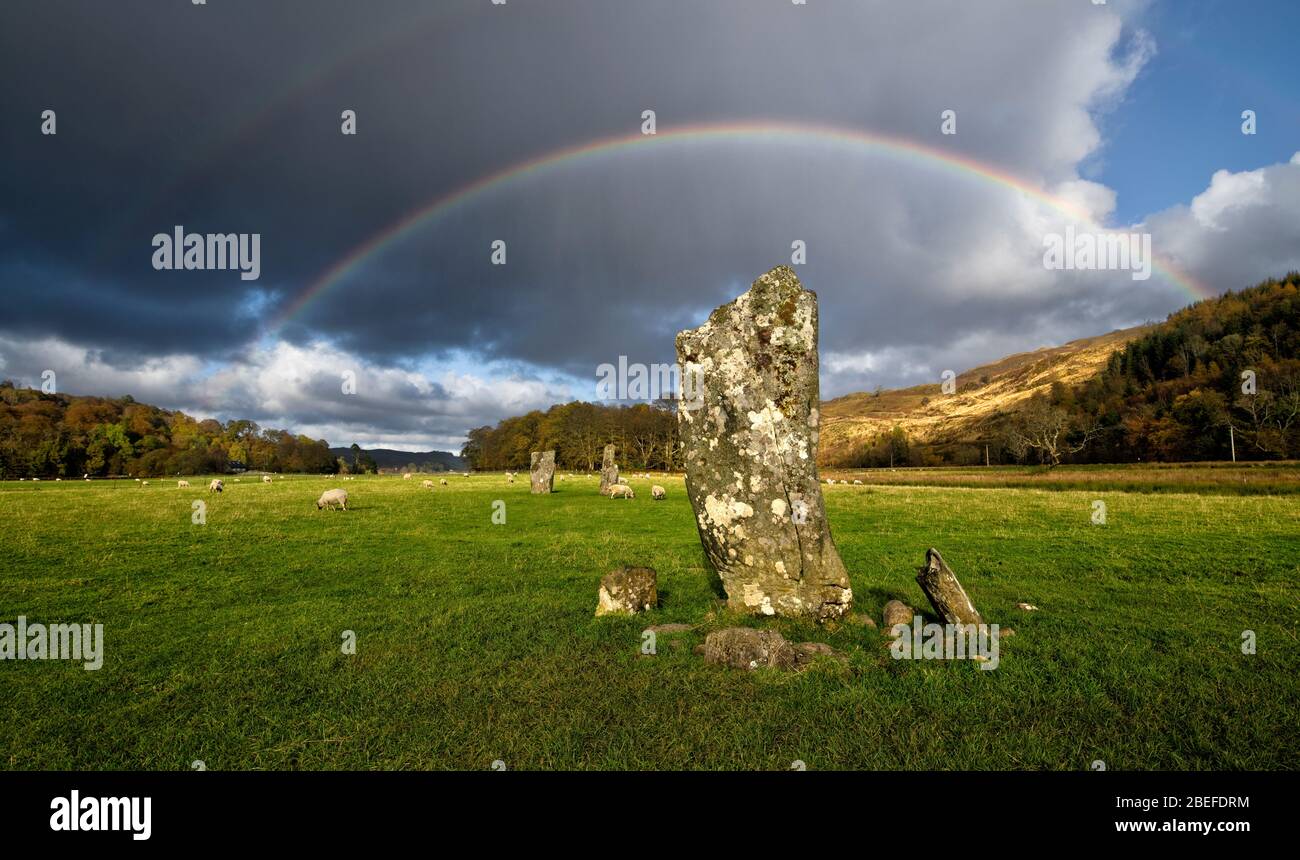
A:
[608,471]
[543,471]
[750,448]
[627,591]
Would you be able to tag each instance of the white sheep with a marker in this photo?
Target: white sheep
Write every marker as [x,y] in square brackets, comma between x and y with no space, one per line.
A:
[856,481]
[181,485]
[217,486]
[144,483]
[330,498]
[443,482]
[621,490]
[266,479]
[658,493]
[406,477]
[428,485]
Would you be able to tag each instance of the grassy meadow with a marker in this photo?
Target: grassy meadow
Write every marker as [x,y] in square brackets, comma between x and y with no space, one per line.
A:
[477,642]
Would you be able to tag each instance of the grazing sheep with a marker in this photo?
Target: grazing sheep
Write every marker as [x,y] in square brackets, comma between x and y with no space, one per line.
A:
[406,477]
[144,483]
[428,485]
[217,486]
[330,498]
[621,490]
[181,485]
[658,493]
[856,481]
[266,479]
[443,482]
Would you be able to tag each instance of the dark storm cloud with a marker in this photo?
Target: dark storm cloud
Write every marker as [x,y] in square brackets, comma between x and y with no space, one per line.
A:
[225,118]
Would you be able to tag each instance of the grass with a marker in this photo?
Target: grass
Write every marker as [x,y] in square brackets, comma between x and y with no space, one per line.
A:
[1236,479]
[476,641]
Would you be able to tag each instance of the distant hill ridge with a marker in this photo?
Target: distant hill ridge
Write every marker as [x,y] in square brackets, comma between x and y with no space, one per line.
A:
[1218,379]
[428,461]
[983,394]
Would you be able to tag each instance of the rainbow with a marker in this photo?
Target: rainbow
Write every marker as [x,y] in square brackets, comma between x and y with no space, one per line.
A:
[745,132]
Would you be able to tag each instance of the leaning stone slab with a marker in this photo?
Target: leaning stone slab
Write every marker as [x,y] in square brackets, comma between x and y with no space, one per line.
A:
[949,599]
[542,473]
[750,448]
[627,591]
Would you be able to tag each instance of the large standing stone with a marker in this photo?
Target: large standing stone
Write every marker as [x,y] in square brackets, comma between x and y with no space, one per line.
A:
[543,471]
[750,448]
[608,471]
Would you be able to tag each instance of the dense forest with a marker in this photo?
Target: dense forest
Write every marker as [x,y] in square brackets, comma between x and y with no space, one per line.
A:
[1221,373]
[54,435]
[646,436]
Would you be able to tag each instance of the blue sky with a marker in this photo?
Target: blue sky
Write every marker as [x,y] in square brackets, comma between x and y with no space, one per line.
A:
[1180,121]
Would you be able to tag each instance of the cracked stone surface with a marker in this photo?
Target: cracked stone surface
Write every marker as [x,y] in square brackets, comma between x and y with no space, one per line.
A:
[627,591]
[542,474]
[750,450]
[746,648]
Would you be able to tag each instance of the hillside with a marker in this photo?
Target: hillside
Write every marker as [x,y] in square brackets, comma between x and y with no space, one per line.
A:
[972,415]
[425,461]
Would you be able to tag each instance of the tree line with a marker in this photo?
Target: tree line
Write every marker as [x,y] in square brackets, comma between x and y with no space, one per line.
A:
[54,435]
[645,435]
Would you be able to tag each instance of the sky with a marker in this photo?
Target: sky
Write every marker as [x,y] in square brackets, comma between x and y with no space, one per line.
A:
[523,123]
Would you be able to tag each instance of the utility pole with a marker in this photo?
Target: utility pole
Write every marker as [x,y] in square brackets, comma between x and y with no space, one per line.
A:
[986,455]
[1232,440]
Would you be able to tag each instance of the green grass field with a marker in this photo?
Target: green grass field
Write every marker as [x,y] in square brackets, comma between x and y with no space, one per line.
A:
[477,642]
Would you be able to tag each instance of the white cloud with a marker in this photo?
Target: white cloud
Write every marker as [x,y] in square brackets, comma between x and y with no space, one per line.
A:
[297,388]
[1244,227]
